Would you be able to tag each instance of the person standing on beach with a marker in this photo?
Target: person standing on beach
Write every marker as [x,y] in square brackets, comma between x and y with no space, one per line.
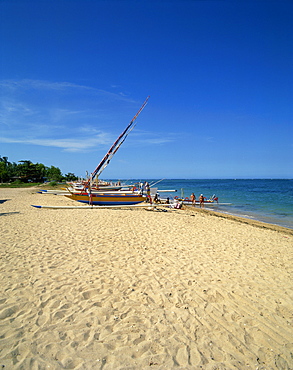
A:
[201,201]
[148,191]
[192,197]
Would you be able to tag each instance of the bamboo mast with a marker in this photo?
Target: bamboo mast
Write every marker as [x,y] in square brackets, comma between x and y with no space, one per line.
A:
[119,141]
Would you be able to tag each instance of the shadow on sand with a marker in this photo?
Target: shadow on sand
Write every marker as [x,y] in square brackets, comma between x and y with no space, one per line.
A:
[8,213]
[3,200]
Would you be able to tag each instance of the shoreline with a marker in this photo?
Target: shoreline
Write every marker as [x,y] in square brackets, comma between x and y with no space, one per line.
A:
[242,219]
[265,200]
[136,288]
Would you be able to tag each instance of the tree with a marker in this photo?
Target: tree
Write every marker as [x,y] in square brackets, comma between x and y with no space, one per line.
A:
[11,170]
[4,160]
[54,174]
[6,169]
[29,171]
[3,172]
[41,170]
[70,177]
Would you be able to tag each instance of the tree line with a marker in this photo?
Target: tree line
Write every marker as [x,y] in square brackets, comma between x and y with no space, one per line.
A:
[26,171]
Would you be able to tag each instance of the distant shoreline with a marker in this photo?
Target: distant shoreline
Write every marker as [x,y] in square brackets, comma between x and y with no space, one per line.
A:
[241,219]
[255,223]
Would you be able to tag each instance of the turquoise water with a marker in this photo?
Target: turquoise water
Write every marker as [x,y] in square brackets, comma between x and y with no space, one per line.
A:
[269,201]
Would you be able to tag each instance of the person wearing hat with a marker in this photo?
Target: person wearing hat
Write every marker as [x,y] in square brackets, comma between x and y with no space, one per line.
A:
[201,201]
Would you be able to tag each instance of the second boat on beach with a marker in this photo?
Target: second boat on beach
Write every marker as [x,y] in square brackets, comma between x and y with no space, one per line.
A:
[91,197]
[102,199]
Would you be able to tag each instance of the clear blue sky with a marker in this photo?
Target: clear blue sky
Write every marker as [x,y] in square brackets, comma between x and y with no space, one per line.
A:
[219,74]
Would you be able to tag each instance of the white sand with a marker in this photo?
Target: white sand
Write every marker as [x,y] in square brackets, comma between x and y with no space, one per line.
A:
[137,289]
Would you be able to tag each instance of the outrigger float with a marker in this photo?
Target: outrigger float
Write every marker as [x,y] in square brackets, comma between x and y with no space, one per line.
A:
[95,207]
[207,202]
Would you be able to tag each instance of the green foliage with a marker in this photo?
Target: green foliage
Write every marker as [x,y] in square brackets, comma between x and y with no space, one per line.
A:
[3,172]
[28,172]
[53,183]
[70,177]
[7,169]
[18,184]
[54,174]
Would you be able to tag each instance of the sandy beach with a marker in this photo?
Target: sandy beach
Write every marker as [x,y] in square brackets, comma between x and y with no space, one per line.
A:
[139,289]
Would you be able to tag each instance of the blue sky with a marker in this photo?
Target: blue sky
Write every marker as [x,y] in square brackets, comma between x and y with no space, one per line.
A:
[73,73]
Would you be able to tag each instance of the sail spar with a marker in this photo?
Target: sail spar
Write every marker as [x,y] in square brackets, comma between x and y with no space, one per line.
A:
[119,141]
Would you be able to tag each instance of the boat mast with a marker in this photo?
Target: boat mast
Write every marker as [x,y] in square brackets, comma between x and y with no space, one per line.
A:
[119,141]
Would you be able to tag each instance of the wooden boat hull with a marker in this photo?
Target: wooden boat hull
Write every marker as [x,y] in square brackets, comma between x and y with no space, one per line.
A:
[101,199]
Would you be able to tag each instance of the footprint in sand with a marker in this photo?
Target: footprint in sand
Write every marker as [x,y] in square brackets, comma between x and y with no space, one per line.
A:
[8,312]
[42,319]
[90,293]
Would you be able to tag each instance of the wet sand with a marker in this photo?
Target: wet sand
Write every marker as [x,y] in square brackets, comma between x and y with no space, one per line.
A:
[138,288]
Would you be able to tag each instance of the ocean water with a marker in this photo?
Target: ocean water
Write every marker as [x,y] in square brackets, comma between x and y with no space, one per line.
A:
[264,200]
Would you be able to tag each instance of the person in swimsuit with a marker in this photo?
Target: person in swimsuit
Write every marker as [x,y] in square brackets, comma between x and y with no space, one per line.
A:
[148,191]
[201,201]
[192,197]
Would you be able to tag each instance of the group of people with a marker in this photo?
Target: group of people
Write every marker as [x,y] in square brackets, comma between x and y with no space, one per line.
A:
[146,188]
[201,200]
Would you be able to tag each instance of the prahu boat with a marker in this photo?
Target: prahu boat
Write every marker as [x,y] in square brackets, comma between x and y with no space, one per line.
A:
[102,199]
[90,196]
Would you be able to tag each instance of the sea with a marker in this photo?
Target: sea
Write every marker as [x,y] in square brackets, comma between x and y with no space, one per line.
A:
[266,200]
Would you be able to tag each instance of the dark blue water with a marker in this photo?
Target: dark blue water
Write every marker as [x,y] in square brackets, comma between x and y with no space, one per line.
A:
[269,201]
